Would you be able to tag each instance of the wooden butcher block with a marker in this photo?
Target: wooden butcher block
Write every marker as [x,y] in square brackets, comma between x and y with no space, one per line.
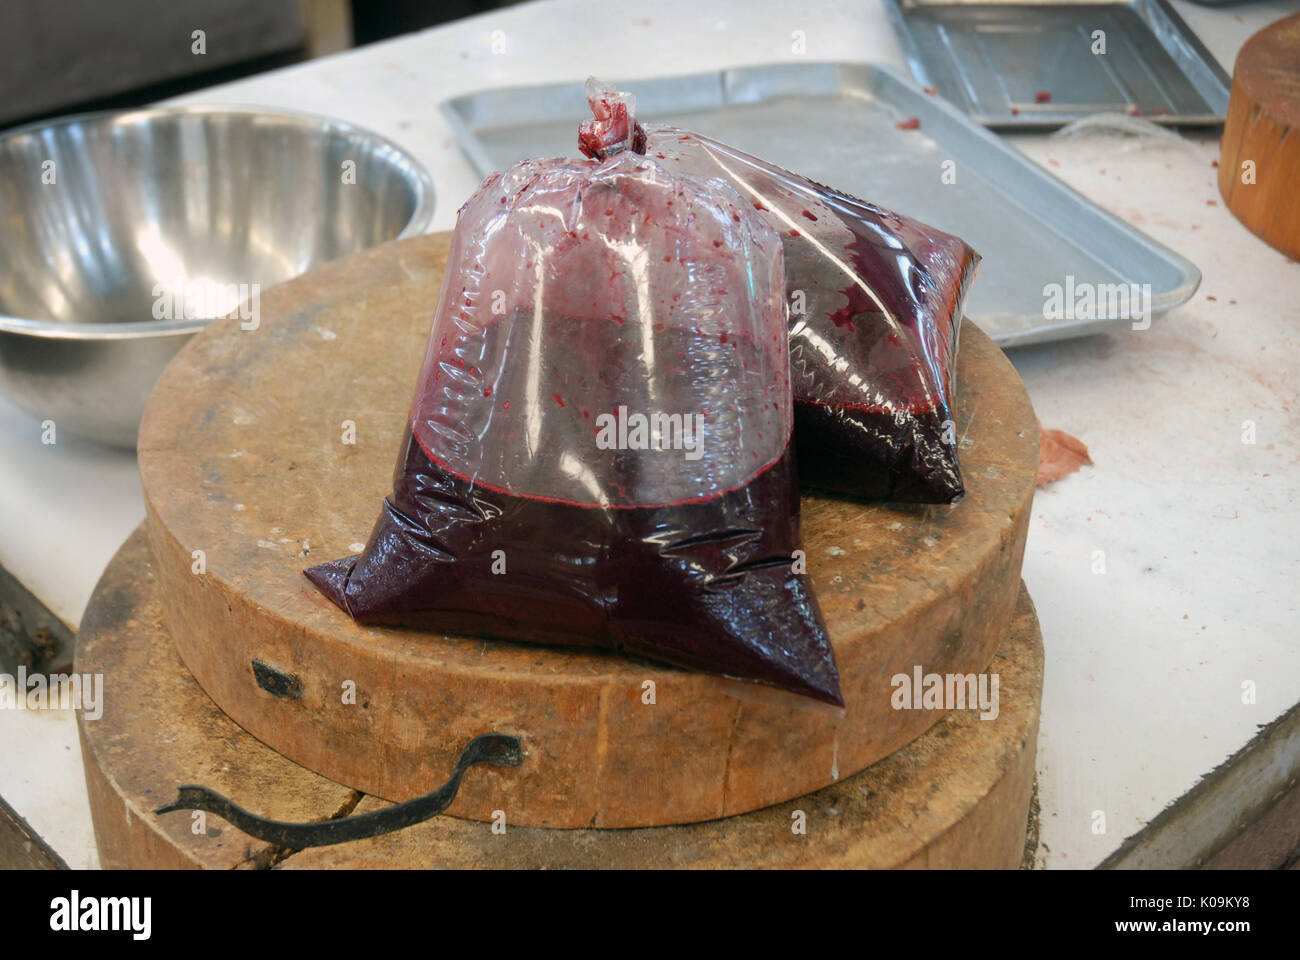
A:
[1262,129]
[248,479]
[957,796]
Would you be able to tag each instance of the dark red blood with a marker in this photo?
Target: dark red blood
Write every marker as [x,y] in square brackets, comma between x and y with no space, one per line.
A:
[1043,96]
[898,451]
[911,123]
[893,456]
[706,585]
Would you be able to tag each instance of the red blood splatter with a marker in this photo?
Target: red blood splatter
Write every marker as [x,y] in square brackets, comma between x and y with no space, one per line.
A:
[506,405]
[558,399]
[1043,96]
[795,233]
[1214,163]
[759,206]
[932,90]
[809,215]
[1212,298]
[1015,111]
[487,391]
[1211,203]
[911,123]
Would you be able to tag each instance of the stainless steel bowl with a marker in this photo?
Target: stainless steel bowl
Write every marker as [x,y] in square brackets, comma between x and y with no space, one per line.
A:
[122,234]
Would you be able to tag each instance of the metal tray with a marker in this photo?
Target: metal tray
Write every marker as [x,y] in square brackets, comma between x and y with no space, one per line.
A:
[996,61]
[838,124]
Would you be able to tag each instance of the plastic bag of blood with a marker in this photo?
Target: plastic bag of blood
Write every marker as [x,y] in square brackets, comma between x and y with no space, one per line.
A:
[599,446]
[875,309]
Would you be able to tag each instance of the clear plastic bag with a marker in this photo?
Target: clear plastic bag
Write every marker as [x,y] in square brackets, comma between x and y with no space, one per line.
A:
[875,309]
[599,451]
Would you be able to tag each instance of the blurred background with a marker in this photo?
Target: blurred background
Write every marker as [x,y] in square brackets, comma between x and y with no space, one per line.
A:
[125,54]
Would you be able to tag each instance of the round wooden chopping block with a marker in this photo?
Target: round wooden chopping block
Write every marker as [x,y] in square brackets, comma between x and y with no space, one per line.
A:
[248,479]
[1260,158]
[958,796]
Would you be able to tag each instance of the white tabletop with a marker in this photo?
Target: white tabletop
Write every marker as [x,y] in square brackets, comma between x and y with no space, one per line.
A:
[1145,662]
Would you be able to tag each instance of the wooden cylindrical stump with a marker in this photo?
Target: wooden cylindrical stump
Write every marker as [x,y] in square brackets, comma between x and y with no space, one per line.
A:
[957,796]
[249,477]
[1259,166]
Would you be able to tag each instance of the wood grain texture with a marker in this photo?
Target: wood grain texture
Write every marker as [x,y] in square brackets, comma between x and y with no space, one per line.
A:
[160,730]
[957,796]
[21,847]
[1263,127]
[241,458]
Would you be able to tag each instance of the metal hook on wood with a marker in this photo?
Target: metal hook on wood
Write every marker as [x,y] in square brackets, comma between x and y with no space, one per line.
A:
[494,748]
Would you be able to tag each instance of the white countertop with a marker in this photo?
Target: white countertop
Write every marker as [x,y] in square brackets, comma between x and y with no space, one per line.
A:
[1145,663]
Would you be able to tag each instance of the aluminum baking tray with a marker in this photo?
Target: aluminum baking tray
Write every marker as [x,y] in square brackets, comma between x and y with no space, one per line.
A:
[1012,64]
[838,123]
